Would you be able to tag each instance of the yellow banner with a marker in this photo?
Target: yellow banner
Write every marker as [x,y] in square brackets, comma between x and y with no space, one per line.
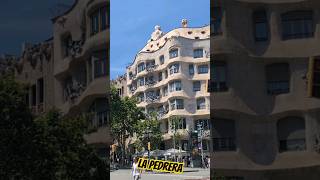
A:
[161,166]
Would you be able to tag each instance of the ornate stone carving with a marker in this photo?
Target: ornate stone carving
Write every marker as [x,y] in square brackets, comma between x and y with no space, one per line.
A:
[37,52]
[73,90]
[75,47]
[157,34]
[184,23]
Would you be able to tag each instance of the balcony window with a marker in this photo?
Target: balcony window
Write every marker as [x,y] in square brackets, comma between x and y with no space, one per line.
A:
[99,20]
[176,104]
[191,69]
[100,64]
[150,81]
[216,18]
[100,113]
[219,74]
[204,123]
[150,64]
[141,67]
[201,103]
[297,24]
[291,134]
[95,23]
[141,97]
[174,68]
[165,91]
[203,69]
[278,78]
[182,124]
[161,59]
[153,96]
[102,118]
[196,86]
[141,81]
[165,74]
[175,86]
[198,53]
[173,53]
[260,25]
[160,76]
[223,135]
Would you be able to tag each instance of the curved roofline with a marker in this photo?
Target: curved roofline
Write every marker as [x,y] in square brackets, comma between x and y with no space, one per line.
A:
[65,13]
[140,51]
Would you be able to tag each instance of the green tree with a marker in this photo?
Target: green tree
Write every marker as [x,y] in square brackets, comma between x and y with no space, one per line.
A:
[125,116]
[175,122]
[61,151]
[16,130]
[48,147]
[148,130]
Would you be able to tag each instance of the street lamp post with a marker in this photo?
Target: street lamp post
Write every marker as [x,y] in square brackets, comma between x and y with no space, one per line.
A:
[149,144]
[200,134]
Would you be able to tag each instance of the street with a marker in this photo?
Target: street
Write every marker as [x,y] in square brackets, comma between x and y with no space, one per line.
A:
[189,174]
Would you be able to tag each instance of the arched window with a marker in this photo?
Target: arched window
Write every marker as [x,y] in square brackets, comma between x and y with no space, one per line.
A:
[291,134]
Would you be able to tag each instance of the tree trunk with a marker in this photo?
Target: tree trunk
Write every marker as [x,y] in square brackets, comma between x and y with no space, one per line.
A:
[123,150]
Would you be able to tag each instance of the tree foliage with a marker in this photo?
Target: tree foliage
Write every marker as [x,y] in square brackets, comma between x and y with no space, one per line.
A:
[48,147]
[16,130]
[151,124]
[125,116]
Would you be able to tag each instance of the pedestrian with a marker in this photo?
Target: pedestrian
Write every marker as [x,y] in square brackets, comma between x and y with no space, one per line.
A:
[136,172]
[208,162]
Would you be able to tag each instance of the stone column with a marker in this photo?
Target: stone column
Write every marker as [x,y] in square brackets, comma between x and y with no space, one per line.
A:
[275,25]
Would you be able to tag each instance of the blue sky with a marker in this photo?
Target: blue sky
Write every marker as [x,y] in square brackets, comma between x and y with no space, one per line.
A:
[27,21]
[133,21]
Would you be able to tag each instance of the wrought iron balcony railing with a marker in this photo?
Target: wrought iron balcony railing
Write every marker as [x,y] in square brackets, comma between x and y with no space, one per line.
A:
[152,67]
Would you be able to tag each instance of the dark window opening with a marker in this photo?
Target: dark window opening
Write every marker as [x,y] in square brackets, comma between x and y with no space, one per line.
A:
[260,25]
[291,134]
[218,77]
[297,24]
[278,78]
[224,135]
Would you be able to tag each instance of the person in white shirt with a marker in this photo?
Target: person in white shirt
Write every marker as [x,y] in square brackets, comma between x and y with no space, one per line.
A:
[136,172]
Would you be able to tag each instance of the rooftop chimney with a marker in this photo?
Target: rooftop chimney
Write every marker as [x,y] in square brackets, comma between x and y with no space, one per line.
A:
[184,23]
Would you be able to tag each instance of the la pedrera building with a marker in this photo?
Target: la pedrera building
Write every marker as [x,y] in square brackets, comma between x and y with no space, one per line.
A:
[169,76]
